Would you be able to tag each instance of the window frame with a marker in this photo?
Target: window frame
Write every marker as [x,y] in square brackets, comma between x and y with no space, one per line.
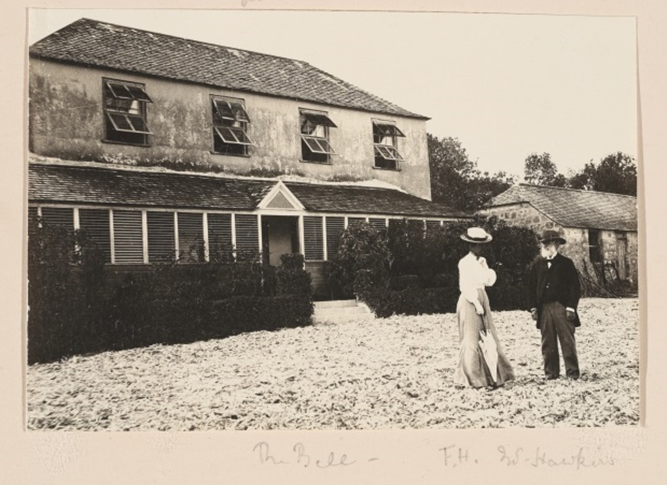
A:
[230,126]
[126,125]
[386,155]
[315,148]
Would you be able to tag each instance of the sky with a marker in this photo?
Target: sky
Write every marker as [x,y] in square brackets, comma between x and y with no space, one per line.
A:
[505,86]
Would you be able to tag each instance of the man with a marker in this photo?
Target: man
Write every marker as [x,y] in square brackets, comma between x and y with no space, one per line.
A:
[554,295]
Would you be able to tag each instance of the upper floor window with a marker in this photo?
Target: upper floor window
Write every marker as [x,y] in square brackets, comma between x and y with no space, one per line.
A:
[125,112]
[384,140]
[315,146]
[230,125]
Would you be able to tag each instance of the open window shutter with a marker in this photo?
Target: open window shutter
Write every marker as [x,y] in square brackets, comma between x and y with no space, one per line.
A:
[128,241]
[335,227]
[313,235]
[220,237]
[95,222]
[247,236]
[161,240]
[190,237]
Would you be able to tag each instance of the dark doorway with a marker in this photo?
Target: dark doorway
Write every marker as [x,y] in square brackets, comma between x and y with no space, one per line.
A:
[280,235]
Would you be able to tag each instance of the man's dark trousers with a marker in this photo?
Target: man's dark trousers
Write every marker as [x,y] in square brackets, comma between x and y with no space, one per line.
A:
[555,327]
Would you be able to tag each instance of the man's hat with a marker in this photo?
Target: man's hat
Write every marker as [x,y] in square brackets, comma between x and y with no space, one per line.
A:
[550,235]
[476,235]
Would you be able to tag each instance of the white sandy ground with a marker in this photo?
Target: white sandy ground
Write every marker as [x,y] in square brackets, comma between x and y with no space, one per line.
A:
[387,373]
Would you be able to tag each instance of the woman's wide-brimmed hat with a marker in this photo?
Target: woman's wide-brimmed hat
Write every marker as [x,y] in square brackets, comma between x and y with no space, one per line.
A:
[476,235]
[550,235]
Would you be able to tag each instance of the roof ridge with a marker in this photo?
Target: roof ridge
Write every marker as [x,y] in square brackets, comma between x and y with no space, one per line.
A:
[574,190]
[171,36]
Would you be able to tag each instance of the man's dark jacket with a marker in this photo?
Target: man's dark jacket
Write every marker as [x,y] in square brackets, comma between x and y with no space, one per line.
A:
[564,280]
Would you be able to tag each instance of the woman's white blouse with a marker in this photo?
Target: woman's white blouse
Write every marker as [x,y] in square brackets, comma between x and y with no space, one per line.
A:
[473,275]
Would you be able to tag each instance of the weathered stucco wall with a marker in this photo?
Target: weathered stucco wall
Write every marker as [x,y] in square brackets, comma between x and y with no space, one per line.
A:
[578,244]
[66,120]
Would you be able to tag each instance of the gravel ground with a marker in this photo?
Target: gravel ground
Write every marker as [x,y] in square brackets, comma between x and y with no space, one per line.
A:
[386,373]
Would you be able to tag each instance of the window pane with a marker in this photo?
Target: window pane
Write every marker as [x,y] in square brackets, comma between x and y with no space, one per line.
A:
[313,235]
[161,242]
[224,109]
[138,125]
[95,222]
[335,227]
[120,122]
[128,243]
[119,90]
[190,237]
[139,93]
[220,237]
[387,129]
[319,119]
[317,145]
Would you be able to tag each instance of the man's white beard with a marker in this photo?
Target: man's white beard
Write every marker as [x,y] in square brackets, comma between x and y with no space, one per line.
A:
[547,253]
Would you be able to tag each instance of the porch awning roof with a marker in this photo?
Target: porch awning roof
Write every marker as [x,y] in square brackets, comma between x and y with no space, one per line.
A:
[88,185]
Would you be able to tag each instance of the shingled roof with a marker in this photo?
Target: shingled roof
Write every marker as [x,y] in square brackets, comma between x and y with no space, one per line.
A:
[575,208]
[78,184]
[99,44]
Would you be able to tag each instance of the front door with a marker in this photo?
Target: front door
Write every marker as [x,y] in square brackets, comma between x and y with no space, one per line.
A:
[280,235]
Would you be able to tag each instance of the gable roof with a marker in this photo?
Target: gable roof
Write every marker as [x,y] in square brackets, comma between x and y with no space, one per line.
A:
[79,184]
[104,45]
[575,208]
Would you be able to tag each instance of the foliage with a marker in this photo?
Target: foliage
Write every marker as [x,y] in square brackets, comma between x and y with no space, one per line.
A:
[75,307]
[616,173]
[428,260]
[361,247]
[540,170]
[455,179]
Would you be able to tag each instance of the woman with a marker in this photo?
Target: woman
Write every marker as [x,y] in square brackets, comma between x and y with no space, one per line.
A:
[474,314]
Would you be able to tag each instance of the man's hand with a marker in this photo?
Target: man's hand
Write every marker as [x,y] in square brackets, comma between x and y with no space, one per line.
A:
[571,315]
[533,314]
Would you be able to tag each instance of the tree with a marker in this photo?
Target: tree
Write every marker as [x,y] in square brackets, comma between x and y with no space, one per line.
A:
[616,173]
[456,180]
[540,170]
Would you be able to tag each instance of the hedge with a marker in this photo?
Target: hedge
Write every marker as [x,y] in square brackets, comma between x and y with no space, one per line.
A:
[76,306]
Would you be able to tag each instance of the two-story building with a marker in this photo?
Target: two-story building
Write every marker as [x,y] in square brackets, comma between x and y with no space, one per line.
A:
[165,148]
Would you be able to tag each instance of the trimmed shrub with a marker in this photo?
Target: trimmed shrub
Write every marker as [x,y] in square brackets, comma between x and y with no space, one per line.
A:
[74,308]
[361,247]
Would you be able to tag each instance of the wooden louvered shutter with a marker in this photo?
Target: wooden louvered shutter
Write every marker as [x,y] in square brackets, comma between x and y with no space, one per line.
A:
[161,239]
[220,237]
[380,224]
[128,240]
[313,236]
[335,227]
[95,223]
[190,237]
[58,216]
[247,237]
